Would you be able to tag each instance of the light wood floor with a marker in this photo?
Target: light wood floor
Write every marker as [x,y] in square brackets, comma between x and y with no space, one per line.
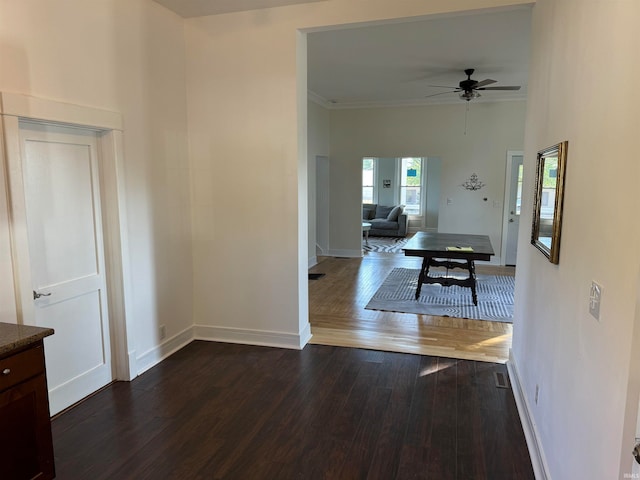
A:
[338,317]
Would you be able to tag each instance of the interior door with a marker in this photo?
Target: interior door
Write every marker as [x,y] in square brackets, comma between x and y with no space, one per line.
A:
[514,205]
[64,228]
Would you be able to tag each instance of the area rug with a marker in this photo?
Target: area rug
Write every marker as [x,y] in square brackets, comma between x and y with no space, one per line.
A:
[397,294]
[385,244]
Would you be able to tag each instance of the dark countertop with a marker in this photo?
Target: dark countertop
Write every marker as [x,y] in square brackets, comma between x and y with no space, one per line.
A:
[15,337]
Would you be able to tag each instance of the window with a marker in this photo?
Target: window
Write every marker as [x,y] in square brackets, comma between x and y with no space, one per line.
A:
[519,190]
[411,185]
[548,198]
[368,180]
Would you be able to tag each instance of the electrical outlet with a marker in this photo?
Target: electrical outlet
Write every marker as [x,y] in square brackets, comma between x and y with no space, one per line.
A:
[449,201]
[163,332]
[537,392]
[595,298]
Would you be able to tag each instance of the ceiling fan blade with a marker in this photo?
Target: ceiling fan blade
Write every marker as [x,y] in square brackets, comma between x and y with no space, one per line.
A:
[499,88]
[442,86]
[488,81]
[435,94]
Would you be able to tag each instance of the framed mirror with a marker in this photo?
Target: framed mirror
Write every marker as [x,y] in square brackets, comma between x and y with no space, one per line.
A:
[547,207]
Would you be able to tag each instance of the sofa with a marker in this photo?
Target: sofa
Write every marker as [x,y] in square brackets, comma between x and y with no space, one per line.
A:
[385,221]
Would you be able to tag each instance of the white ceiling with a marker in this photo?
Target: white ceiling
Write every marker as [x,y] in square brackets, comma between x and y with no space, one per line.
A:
[397,63]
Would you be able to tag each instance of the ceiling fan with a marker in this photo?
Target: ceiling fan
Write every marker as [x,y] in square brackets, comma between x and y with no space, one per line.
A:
[468,89]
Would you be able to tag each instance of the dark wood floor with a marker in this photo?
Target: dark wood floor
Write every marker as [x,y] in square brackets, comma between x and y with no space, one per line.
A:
[214,411]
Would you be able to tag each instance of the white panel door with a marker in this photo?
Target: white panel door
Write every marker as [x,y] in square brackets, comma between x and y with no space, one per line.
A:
[515,197]
[64,228]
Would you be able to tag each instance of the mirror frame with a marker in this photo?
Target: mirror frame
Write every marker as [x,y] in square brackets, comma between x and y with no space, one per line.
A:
[551,251]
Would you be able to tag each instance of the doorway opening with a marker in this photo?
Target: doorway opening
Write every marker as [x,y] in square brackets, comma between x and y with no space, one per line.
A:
[412,182]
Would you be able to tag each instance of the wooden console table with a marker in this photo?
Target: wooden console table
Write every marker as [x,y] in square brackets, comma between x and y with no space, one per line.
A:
[432,247]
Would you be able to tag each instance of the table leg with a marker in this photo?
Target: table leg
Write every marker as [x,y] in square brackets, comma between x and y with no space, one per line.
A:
[472,275]
[424,271]
[366,237]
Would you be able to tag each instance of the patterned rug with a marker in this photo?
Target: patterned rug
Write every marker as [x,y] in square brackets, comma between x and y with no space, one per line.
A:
[397,294]
[385,244]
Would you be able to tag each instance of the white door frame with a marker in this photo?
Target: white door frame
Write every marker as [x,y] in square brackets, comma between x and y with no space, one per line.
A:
[108,125]
[505,202]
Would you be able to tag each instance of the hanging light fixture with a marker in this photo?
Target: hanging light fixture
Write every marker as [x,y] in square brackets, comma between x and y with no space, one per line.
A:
[469,95]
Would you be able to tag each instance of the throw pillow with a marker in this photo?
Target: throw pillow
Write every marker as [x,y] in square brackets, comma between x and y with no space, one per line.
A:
[394,214]
[367,213]
[382,212]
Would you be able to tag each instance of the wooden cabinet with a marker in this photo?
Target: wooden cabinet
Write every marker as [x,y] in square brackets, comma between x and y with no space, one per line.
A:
[26,449]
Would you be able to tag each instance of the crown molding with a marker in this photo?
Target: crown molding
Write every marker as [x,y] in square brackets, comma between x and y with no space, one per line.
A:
[318,99]
[452,100]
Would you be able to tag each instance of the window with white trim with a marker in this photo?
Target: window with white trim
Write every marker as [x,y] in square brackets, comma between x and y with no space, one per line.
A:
[369,191]
[411,187]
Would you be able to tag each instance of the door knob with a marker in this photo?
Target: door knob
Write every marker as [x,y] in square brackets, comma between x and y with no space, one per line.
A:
[37,295]
[511,220]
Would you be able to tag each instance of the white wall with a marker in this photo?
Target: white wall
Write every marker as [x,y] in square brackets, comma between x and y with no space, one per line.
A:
[437,130]
[386,171]
[125,56]
[432,210]
[584,64]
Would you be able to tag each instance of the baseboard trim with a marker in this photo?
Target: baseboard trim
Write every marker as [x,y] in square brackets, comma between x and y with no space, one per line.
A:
[68,394]
[305,335]
[538,460]
[312,262]
[155,355]
[344,253]
[133,366]
[253,337]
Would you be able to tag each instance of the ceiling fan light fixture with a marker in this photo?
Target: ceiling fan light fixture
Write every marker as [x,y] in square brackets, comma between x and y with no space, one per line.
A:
[469,95]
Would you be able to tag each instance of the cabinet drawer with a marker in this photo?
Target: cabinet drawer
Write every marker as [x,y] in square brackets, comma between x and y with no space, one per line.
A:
[21,366]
